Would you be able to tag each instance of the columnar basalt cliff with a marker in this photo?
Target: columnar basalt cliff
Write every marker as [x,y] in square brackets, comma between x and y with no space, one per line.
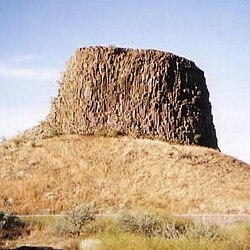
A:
[148,93]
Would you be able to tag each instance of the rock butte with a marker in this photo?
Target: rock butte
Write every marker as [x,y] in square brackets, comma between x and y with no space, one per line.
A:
[146,93]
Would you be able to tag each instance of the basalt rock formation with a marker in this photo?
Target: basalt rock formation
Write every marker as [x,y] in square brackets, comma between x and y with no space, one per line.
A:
[148,93]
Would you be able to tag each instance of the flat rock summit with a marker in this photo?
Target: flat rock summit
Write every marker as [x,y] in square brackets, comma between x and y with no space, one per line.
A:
[147,93]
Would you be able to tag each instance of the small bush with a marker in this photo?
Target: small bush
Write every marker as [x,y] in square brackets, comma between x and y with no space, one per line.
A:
[146,224]
[197,138]
[199,93]
[182,224]
[208,232]
[108,132]
[112,49]
[53,131]
[17,140]
[115,133]
[102,132]
[75,221]
[153,225]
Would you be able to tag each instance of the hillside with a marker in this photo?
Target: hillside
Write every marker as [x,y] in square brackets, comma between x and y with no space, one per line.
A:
[138,94]
[56,174]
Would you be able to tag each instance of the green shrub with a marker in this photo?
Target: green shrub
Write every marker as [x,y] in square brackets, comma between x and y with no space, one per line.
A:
[197,138]
[199,93]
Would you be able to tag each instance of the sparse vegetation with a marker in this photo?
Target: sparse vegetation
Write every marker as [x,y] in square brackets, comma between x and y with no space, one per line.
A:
[102,132]
[112,49]
[123,171]
[141,230]
[53,131]
[152,225]
[199,93]
[75,221]
[105,132]
[197,138]
[147,231]
[146,224]
[129,241]
[58,173]
[209,232]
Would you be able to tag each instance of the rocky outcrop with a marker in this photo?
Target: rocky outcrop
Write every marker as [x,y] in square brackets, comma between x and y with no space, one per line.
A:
[148,93]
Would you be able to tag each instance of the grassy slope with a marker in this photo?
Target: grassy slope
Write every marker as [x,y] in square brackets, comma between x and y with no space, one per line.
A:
[58,173]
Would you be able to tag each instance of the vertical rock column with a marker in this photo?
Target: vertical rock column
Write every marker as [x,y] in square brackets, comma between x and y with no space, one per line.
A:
[150,93]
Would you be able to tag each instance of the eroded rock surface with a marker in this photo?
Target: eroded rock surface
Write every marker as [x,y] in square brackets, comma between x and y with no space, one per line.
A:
[148,93]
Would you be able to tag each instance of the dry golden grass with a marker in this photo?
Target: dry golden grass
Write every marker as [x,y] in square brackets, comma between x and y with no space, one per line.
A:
[56,174]
[111,236]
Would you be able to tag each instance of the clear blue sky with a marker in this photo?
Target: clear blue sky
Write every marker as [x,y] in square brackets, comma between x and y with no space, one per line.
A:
[37,38]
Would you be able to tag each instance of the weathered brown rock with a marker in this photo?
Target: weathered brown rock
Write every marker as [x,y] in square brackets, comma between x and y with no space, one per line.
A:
[150,93]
